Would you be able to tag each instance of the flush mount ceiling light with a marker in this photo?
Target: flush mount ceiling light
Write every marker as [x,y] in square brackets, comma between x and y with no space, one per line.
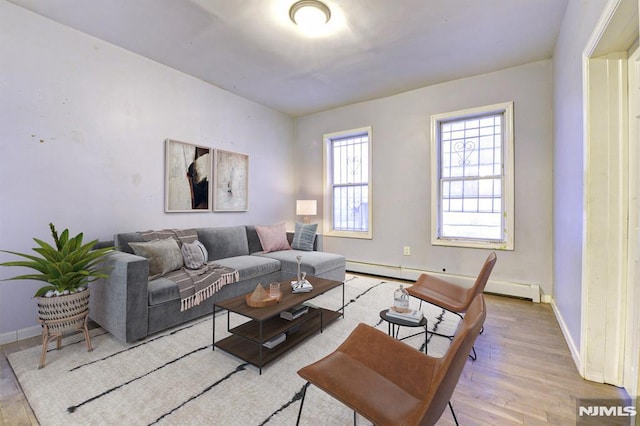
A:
[309,14]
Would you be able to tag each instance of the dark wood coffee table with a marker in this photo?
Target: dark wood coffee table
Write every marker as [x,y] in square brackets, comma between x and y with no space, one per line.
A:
[247,340]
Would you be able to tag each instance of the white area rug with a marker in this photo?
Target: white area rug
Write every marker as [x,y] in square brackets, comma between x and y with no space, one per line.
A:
[174,378]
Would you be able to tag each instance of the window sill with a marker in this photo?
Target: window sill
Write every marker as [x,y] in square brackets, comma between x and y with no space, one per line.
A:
[349,234]
[493,245]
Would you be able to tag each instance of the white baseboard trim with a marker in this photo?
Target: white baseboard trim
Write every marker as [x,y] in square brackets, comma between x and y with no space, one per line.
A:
[575,353]
[526,291]
[25,333]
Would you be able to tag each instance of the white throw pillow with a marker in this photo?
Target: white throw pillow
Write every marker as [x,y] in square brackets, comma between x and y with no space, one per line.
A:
[195,254]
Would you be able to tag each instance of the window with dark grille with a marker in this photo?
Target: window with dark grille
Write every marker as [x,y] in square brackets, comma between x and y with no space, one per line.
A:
[348,182]
[473,179]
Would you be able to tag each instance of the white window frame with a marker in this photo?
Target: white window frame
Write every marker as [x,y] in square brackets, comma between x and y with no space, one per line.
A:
[507,196]
[328,184]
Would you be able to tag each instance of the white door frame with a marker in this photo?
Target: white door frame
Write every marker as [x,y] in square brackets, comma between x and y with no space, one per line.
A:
[608,266]
[605,226]
[631,376]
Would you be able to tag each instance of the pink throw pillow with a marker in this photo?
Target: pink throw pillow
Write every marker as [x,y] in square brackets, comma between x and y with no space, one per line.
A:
[273,238]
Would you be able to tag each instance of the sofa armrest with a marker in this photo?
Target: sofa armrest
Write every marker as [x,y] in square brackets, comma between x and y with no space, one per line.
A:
[119,303]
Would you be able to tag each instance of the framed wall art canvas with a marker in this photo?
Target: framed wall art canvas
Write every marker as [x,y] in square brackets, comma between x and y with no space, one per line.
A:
[231,177]
[188,177]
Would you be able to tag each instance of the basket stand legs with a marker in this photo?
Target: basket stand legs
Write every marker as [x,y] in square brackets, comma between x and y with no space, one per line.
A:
[48,334]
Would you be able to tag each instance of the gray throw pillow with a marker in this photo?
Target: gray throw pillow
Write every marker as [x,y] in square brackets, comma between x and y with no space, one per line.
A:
[164,255]
[195,254]
[304,236]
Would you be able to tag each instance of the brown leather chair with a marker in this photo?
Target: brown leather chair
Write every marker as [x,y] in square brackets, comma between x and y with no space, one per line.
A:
[389,382]
[449,296]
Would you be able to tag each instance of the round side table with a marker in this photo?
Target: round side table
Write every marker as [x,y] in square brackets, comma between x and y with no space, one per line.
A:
[394,325]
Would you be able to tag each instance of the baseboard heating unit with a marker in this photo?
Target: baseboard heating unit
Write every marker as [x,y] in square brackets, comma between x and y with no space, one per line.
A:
[506,288]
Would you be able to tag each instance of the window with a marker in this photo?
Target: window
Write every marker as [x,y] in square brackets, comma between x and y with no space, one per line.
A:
[472,177]
[347,163]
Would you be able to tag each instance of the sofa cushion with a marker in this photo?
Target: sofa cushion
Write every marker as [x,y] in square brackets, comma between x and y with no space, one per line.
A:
[250,266]
[122,241]
[273,238]
[164,255]
[162,290]
[195,254]
[313,262]
[223,242]
[304,236]
[253,240]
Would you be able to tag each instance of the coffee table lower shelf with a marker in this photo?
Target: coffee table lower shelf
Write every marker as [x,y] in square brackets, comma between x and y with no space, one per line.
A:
[253,352]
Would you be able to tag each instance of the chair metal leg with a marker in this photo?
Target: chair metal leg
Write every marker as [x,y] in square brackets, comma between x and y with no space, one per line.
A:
[304,393]
[473,354]
[455,419]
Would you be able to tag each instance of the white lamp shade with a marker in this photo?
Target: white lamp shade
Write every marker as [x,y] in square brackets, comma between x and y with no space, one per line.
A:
[306,207]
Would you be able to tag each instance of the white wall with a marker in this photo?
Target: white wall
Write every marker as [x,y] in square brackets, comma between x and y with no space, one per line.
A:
[578,24]
[401,180]
[82,144]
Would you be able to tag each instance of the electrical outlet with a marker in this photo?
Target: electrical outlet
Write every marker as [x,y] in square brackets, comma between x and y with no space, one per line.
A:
[407,251]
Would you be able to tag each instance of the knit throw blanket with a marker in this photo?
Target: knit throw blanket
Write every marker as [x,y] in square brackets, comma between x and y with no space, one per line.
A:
[195,285]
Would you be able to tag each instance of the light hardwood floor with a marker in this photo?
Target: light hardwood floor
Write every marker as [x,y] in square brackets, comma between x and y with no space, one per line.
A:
[524,373]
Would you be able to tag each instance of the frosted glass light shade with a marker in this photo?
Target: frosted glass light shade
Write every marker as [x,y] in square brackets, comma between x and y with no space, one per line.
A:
[309,14]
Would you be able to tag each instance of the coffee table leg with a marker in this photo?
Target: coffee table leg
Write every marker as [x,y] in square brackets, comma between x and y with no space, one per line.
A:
[260,368]
[426,341]
[213,327]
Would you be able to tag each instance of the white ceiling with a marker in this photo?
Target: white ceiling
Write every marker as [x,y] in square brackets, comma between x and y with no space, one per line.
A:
[372,49]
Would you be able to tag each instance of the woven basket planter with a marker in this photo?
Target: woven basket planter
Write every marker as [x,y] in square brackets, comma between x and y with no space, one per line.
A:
[54,310]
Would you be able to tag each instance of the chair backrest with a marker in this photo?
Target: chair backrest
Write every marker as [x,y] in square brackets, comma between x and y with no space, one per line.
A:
[450,366]
[483,277]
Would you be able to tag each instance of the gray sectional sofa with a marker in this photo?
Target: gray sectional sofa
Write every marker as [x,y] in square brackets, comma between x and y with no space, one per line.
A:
[131,307]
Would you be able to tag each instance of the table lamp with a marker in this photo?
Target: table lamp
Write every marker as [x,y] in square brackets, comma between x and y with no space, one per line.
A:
[306,208]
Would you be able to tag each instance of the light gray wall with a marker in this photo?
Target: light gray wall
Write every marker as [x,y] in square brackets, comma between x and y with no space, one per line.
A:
[82,144]
[401,173]
[578,24]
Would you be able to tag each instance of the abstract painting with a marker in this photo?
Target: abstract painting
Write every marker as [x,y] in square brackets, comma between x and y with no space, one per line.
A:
[231,177]
[187,171]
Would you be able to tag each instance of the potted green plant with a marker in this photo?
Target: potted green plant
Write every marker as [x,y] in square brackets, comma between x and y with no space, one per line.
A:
[67,269]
